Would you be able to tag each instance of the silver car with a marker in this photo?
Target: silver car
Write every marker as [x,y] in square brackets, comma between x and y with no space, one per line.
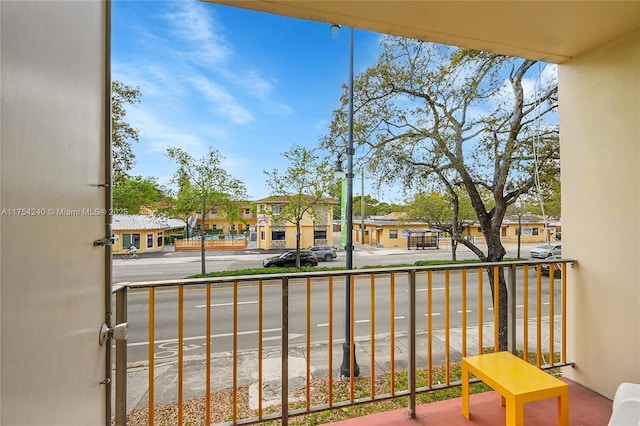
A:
[542,252]
[326,253]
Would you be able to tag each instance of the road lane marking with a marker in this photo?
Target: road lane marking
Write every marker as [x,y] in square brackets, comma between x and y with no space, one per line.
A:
[217,305]
[213,336]
[324,324]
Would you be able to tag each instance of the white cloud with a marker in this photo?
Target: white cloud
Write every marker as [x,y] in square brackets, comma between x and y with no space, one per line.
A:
[192,23]
[223,103]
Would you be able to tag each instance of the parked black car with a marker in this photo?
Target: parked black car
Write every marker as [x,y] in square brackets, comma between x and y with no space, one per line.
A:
[307,258]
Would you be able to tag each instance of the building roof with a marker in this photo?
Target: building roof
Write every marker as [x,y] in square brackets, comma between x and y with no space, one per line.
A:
[123,222]
[282,199]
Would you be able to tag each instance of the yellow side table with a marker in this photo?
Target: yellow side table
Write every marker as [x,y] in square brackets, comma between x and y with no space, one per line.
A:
[517,381]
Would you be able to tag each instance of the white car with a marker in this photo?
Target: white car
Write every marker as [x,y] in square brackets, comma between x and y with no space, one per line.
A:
[542,252]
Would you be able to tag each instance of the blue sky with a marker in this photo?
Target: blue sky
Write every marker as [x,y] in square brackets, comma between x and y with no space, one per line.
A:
[248,84]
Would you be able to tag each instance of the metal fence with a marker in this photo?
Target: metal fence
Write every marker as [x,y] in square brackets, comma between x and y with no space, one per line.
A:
[441,313]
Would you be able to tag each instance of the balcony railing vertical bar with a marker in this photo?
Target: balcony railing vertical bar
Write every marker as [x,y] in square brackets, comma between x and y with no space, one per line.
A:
[538,316]
[330,345]
[480,312]
[463,284]
[564,313]
[121,359]
[284,365]
[411,338]
[152,327]
[180,353]
[260,349]
[430,328]
[372,332]
[208,357]
[447,325]
[496,308]
[525,311]
[392,332]
[511,293]
[234,390]
[308,363]
[552,311]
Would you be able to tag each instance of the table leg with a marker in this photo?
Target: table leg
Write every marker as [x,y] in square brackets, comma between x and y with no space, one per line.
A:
[465,390]
[515,413]
[563,409]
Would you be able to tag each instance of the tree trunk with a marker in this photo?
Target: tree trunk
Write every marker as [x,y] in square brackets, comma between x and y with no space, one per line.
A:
[495,253]
[298,244]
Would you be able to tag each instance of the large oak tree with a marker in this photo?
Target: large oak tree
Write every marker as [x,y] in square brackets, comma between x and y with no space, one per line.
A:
[458,118]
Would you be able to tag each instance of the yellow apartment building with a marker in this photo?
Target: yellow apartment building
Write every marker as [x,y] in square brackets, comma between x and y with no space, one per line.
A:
[274,234]
[218,219]
[392,231]
[534,230]
[144,232]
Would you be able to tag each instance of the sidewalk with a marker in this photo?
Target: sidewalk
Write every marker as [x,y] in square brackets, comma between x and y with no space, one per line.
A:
[166,373]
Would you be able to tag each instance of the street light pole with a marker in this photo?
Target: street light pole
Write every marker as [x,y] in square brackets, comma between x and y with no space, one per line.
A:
[345,368]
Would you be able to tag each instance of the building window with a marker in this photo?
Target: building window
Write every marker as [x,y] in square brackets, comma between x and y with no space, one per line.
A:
[393,234]
[214,226]
[262,235]
[129,240]
[247,212]
[277,235]
[214,211]
[320,235]
[160,239]
[535,231]
[276,209]
[150,240]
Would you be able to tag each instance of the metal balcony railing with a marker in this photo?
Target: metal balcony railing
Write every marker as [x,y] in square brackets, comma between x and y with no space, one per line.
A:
[422,306]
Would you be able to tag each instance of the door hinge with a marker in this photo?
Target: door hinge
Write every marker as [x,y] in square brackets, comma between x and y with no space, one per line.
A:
[103,242]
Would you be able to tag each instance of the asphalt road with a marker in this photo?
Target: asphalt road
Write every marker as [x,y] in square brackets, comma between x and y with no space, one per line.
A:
[247,321]
[176,265]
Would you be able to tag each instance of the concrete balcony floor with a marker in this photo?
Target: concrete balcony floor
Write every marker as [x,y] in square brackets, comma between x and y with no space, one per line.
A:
[586,408]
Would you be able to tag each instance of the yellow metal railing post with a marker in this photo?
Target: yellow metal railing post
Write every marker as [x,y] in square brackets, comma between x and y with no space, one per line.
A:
[496,309]
[372,332]
[464,312]
[260,333]
[392,331]
[447,310]
[430,328]
[208,355]
[525,313]
[180,352]
[151,352]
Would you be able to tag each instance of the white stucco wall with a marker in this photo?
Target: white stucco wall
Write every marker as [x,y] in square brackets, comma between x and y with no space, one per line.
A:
[600,152]
[52,157]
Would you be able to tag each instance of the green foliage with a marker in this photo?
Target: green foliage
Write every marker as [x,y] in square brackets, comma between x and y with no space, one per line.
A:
[437,209]
[130,193]
[373,207]
[122,133]
[305,186]
[433,115]
[203,185]
[259,271]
